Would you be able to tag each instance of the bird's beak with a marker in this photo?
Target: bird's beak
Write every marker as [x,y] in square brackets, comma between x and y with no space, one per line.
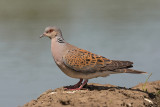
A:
[42,35]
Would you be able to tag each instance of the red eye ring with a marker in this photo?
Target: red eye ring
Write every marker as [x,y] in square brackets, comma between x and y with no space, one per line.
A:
[50,30]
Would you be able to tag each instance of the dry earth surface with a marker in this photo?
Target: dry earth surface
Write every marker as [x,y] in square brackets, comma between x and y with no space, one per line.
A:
[98,95]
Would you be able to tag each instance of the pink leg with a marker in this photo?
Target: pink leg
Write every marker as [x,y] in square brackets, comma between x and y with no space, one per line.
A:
[84,83]
[76,85]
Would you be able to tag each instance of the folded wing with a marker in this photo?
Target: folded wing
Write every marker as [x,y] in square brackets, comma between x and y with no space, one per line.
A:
[84,61]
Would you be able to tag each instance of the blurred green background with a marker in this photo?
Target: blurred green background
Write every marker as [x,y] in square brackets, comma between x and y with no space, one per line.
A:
[116,29]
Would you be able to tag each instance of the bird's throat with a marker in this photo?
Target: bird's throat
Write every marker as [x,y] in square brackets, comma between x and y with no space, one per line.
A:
[57,48]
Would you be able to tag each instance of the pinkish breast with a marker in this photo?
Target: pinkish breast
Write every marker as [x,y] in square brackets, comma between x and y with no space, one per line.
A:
[58,50]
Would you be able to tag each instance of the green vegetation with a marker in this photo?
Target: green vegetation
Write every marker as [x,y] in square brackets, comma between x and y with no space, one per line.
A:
[144,86]
[158,93]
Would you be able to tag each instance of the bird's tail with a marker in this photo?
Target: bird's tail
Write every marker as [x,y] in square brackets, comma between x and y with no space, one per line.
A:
[129,71]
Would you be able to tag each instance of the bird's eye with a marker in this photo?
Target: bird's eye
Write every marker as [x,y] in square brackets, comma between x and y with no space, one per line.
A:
[49,31]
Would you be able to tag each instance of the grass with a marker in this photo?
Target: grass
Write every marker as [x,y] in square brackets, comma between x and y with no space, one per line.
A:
[144,86]
[158,93]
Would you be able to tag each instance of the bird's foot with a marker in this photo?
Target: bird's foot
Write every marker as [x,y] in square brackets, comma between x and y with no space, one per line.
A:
[72,87]
[75,89]
[78,86]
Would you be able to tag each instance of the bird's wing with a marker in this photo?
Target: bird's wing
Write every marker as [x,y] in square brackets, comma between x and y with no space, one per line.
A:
[84,61]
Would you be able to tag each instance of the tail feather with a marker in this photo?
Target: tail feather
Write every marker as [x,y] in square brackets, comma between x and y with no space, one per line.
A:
[129,71]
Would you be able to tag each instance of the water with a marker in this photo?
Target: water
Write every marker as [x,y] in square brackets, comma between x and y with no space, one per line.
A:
[124,30]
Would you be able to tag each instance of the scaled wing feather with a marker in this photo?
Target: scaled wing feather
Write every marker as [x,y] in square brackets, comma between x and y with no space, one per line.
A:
[84,61]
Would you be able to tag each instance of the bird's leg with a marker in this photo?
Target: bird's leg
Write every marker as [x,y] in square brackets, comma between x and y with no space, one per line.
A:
[84,83]
[78,84]
[75,86]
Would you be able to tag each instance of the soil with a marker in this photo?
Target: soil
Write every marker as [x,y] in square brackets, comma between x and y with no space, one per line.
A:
[98,95]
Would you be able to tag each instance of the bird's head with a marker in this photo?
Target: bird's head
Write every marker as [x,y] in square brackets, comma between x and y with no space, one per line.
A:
[51,32]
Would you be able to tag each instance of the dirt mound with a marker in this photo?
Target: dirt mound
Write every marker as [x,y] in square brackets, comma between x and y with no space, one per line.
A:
[97,95]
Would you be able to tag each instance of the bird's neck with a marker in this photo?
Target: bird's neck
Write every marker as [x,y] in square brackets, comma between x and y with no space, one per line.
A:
[60,39]
[58,45]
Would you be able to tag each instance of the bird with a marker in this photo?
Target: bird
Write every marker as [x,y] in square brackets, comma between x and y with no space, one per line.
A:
[82,64]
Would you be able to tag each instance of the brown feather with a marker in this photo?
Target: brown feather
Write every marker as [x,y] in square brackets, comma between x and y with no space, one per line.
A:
[84,61]
[129,71]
